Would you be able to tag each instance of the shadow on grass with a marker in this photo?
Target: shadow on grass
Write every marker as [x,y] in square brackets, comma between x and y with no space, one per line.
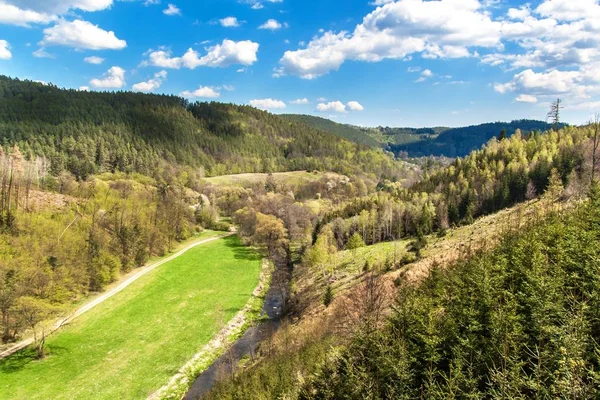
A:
[17,361]
[240,251]
[22,358]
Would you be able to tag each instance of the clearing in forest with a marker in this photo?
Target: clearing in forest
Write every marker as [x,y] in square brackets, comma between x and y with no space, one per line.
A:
[131,344]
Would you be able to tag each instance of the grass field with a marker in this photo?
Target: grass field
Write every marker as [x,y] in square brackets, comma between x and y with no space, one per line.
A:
[130,345]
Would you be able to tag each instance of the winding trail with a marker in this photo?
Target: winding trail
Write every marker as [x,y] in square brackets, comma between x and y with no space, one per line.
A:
[110,293]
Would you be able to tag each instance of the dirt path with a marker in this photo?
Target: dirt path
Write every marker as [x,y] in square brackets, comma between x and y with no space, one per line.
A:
[110,293]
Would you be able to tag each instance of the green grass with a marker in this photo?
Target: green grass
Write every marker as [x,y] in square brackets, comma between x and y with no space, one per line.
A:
[377,255]
[131,345]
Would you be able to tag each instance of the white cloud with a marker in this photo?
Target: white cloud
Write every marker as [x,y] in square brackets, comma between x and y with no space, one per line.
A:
[12,15]
[569,10]
[221,55]
[336,106]
[551,83]
[355,106]
[5,53]
[114,78]
[425,74]
[526,98]
[228,88]
[163,59]
[42,53]
[94,60]
[271,25]
[202,91]
[81,34]
[60,6]
[436,29]
[229,22]
[27,12]
[84,88]
[519,13]
[151,84]
[300,101]
[171,10]
[267,104]
[257,5]
[552,46]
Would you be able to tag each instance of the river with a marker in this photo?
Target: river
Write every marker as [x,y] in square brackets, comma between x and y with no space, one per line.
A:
[249,343]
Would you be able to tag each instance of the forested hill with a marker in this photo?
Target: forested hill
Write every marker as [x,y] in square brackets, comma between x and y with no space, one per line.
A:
[92,132]
[342,130]
[459,142]
[423,142]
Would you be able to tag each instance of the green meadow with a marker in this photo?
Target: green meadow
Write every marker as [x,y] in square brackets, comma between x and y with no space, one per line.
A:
[131,344]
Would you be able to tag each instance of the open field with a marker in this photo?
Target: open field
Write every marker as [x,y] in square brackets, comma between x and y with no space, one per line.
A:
[292,178]
[131,345]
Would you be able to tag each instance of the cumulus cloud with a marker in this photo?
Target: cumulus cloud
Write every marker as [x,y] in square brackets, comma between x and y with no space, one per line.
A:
[114,78]
[81,34]
[551,83]
[222,55]
[94,60]
[151,84]
[355,106]
[267,104]
[271,25]
[171,10]
[203,92]
[300,101]
[335,106]
[552,46]
[60,6]
[12,15]
[436,29]
[27,12]
[5,53]
[526,98]
[229,22]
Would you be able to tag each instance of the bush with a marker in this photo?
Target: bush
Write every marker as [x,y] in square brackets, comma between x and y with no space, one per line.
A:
[328,297]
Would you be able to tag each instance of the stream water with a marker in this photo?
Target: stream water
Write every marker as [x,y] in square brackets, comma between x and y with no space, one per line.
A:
[248,344]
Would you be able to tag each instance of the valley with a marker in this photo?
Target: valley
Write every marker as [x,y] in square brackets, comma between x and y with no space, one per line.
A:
[233,253]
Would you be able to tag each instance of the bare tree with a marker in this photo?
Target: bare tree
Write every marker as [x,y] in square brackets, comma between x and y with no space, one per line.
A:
[554,113]
[364,309]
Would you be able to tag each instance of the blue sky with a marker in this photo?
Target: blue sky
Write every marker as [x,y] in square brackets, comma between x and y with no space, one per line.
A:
[380,62]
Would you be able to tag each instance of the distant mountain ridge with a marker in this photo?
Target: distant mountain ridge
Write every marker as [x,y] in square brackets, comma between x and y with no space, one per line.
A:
[423,142]
[459,142]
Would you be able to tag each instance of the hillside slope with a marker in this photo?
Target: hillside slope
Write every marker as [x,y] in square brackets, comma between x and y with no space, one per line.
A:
[342,130]
[90,132]
[459,142]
